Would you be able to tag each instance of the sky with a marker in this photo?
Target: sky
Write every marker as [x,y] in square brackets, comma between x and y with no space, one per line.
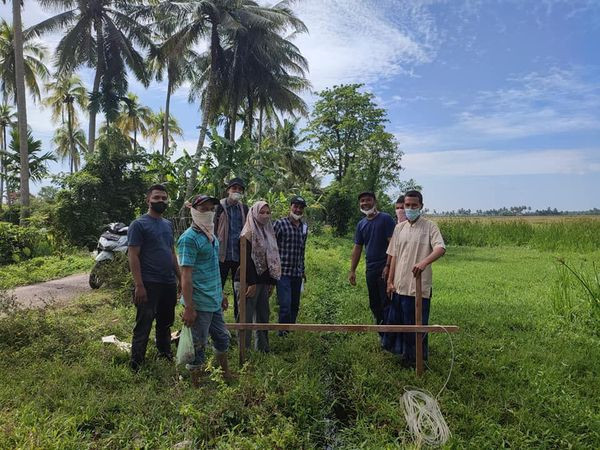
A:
[493,103]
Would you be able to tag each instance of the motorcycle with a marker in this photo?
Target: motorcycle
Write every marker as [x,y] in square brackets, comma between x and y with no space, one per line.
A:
[113,240]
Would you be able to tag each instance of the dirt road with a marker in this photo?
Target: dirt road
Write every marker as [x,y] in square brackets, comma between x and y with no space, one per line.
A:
[58,291]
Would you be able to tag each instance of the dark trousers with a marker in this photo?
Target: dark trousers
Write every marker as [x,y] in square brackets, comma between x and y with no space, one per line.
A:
[226,267]
[377,295]
[407,312]
[288,297]
[160,305]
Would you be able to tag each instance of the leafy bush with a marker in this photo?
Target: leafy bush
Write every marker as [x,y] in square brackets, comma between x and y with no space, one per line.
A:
[111,188]
[18,243]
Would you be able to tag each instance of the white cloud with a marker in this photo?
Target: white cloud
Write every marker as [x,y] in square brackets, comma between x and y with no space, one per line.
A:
[476,162]
[364,41]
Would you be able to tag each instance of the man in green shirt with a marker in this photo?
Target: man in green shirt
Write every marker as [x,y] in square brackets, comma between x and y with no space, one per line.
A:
[198,251]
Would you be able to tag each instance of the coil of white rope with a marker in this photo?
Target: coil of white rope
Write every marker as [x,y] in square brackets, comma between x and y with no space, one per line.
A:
[422,412]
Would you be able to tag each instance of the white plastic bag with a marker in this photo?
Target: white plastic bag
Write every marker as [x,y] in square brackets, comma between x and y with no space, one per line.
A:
[185,348]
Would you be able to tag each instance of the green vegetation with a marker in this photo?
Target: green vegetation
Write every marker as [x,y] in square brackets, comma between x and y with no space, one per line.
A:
[43,268]
[524,376]
[554,235]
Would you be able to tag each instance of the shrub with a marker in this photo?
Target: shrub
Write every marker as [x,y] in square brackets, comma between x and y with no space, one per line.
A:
[18,243]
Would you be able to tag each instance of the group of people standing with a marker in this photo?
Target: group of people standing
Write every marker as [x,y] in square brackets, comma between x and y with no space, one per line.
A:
[208,253]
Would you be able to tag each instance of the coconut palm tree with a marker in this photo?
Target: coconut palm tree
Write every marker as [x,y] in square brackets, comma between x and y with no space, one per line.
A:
[156,129]
[19,76]
[7,119]
[37,163]
[69,143]
[104,35]
[34,68]
[66,92]
[134,117]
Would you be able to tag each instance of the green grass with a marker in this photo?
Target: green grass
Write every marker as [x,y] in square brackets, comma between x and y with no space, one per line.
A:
[565,234]
[43,268]
[523,376]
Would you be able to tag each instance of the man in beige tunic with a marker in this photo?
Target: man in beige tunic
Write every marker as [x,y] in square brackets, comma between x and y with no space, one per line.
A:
[415,244]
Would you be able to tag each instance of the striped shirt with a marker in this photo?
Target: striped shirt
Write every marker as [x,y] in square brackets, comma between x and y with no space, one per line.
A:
[195,250]
[291,240]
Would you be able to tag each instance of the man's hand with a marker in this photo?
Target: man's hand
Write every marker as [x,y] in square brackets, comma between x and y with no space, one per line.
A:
[419,268]
[140,295]
[304,277]
[390,289]
[352,278]
[385,272]
[251,291]
[189,316]
[224,302]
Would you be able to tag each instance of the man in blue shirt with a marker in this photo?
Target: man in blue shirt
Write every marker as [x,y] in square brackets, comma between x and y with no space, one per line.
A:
[155,271]
[373,231]
[203,296]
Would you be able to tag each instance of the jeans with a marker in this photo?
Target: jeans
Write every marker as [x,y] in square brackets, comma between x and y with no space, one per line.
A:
[288,297]
[209,323]
[160,305]
[377,294]
[257,311]
[225,267]
[407,307]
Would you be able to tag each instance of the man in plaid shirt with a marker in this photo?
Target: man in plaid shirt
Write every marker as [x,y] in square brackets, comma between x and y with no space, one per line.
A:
[291,233]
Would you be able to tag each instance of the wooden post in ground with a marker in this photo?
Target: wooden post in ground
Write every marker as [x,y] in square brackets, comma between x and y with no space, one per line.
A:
[242,300]
[419,321]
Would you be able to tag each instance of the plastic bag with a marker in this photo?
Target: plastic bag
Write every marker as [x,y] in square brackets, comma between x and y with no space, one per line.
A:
[185,349]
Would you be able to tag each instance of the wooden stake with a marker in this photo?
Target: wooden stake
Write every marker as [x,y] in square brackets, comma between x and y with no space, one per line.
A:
[242,299]
[419,321]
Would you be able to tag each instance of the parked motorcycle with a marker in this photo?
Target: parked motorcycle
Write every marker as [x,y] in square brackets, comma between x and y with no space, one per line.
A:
[113,240]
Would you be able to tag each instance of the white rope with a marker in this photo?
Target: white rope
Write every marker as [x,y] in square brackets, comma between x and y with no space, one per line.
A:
[422,412]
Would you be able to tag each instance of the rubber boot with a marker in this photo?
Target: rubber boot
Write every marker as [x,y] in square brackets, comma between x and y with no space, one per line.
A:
[224,363]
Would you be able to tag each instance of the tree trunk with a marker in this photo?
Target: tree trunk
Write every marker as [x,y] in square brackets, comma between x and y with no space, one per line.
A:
[260,126]
[2,150]
[135,127]
[207,112]
[71,141]
[99,72]
[165,143]
[232,122]
[249,116]
[21,109]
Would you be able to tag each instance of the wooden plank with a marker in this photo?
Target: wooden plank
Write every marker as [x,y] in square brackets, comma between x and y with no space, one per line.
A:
[343,328]
[419,321]
[242,299]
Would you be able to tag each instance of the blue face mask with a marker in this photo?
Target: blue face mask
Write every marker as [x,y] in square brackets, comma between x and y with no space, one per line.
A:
[412,214]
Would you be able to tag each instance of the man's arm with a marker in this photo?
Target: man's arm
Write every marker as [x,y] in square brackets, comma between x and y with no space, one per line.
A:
[436,254]
[177,272]
[390,278]
[133,255]
[356,252]
[189,313]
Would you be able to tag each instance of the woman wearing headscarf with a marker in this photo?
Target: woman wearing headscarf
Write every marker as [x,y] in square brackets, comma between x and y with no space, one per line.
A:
[263,269]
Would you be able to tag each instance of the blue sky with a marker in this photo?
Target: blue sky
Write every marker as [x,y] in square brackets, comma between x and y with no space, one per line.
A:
[494,103]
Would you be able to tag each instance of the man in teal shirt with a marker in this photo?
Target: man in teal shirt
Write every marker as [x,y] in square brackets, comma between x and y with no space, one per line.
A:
[198,251]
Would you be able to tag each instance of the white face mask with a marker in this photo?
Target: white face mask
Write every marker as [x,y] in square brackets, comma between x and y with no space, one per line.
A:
[236,196]
[296,216]
[204,219]
[368,212]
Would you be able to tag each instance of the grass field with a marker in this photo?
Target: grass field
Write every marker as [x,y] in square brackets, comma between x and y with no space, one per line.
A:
[524,377]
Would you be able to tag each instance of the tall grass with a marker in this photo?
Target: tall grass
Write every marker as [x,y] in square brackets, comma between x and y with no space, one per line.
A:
[564,235]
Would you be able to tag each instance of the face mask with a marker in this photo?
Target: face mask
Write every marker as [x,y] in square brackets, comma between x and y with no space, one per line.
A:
[236,196]
[159,207]
[295,216]
[368,212]
[204,219]
[400,215]
[264,219]
[412,214]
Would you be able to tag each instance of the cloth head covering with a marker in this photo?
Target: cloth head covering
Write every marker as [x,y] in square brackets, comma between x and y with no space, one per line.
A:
[265,253]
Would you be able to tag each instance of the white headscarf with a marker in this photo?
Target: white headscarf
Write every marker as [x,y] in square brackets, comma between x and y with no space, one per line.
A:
[265,253]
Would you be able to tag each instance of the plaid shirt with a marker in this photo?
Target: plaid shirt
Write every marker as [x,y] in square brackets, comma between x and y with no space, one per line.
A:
[291,241]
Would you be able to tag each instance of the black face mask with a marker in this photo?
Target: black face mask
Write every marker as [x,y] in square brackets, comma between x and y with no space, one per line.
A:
[159,207]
